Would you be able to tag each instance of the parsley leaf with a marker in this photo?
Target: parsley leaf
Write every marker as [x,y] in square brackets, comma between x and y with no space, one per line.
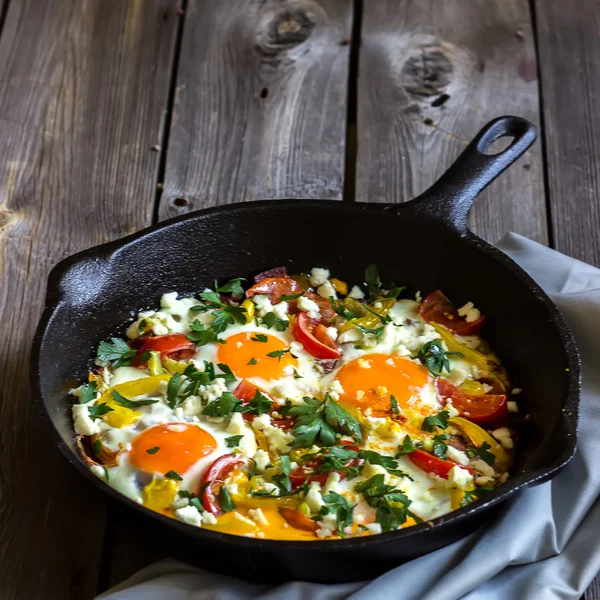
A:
[440,420]
[336,458]
[297,375]
[435,358]
[383,318]
[483,452]
[394,406]
[395,291]
[252,361]
[341,310]
[232,287]
[227,373]
[119,399]
[227,504]
[338,505]
[259,404]
[223,406]
[194,500]
[283,479]
[233,441]
[270,320]
[440,448]
[153,450]
[341,419]
[98,410]
[406,448]
[377,331]
[476,494]
[173,475]
[259,337]
[293,296]
[201,335]
[387,462]
[118,353]
[173,388]
[88,392]
[211,298]
[278,354]
[373,282]
[97,447]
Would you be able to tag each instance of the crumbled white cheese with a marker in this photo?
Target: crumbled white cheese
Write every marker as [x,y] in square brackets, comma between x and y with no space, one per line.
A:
[281,310]
[98,471]
[356,293]
[336,386]
[179,502]
[261,422]
[374,528]
[452,412]
[360,395]
[84,425]
[459,478]
[363,364]
[328,526]
[271,488]
[487,388]
[232,488]
[349,336]
[258,516]
[513,407]
[318,277]
[213,391]
[327,290]
[263,305]
[483,468]
[457,456]
[208,518]
[332,483]
[313,497]
[504,437]
[190,515]
[459,373]
[237,425]
[309,306]
[469,312]
[192,405]
[332,332]
[262,459]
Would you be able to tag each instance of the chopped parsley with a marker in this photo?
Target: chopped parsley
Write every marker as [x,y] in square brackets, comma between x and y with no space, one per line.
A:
[320,420]
[153,450]
[279,354]
[407,447]
[297,375]
[440,448]
[341,310]
[283,479]
[395,291]
[338,505]
[272,320]
[435,358]
[227,504]
[98,410]
[387,462]
[227,373]
[373,282]
[119,399]
[88,392]
[472,495]
[483,452]
[201,335]
[233,440]
[336,458]
[116,352]
[293,296]
[252,361]
[259,337]
[259,404]
[97,447]
[173,388]
[440,421]
[394,406]
[173,475]
[223,406]
[233,287]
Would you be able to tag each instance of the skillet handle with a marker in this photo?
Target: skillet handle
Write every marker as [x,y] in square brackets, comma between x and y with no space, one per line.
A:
[450,198]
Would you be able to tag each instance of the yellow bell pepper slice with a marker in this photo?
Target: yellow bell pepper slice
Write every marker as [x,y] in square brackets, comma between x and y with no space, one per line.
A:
[370,321]
[154,363]
[341,287]
[175,366]
[248,305]
[159,494]
[477,358]
[474,388]
[478,436]
[121,416]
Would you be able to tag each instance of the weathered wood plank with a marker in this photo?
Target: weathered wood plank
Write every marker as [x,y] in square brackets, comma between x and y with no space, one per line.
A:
[569,54]
[260,106]
[83,86]
[430,75]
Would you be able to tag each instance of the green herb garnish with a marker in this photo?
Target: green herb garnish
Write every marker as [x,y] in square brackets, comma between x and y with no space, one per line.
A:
[435,358]
[440,420]
[173,475]
[233,441]
[259,337]
[223,406]
[153,450]
[227,504]
[97,410]
[119,399]
[88,392]
[483,452]
[116,352]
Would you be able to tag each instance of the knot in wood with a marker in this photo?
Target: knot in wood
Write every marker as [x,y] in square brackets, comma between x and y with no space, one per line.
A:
[285,30]
[427,71]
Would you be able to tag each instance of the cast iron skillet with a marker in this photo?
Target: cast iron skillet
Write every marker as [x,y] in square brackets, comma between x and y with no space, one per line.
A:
[425,243]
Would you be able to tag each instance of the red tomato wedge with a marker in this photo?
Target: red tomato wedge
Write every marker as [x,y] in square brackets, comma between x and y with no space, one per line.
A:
[298,520]
[313,336]
[432,464]
[245,391]
[213,479]
[437,308]
[275,272]
[275,287]
[167,345]
[487,410]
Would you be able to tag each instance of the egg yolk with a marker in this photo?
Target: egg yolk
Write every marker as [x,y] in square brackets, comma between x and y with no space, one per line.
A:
[370,381]
[170,447]
[256,354]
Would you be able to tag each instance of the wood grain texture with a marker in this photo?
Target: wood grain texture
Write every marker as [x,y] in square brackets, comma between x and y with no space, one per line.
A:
[430,75]
[83,86]
[260,104]
[569,51]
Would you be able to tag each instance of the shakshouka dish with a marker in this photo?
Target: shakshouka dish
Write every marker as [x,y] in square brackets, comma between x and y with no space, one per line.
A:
[299,409]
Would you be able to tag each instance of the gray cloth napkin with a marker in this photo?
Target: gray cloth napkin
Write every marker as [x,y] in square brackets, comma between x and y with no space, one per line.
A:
[544,545]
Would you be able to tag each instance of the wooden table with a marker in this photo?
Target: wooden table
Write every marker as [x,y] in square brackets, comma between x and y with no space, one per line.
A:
[117,113]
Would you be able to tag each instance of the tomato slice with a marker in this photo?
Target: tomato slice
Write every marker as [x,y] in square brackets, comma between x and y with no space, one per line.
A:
[275,272]
[437,308]
[275,287]
[214,477]
[298,520]
[432,464]
[487,410]
[167,345]
[313,336]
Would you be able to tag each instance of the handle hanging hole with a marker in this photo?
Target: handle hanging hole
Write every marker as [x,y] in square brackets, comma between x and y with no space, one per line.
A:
[498,146]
